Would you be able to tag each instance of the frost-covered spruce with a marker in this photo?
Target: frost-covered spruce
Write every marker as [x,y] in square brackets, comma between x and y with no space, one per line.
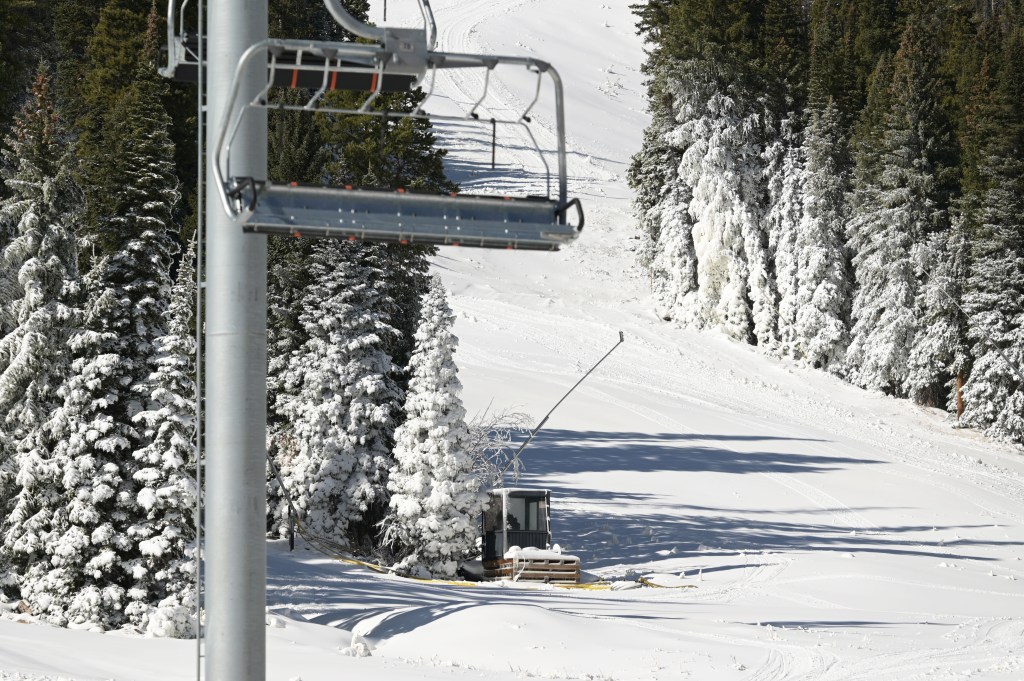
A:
[162,597]
[941,353]
[784,173]
[893,208]
[91,546]
[340,398]
[286,279]
[994,301]
[39,265]
[435,495]
[662,204]
[720,133]
[822,296]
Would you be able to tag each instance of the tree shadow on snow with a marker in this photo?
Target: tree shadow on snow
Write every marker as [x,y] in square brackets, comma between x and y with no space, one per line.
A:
[563,451]
[607,527]
[603,534]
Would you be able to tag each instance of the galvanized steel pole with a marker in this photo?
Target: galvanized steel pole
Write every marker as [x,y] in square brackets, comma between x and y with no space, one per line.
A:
[236,326]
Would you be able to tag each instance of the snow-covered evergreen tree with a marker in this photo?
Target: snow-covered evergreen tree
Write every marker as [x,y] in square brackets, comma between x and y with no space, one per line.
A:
[720,132]
[162,597]
[661,203]
[90,550]
[823,291]
[994,301]
[40,266]
[699,193]
[941,353]
[436,499]
[286,280]
[893,208]
[340,397]
[784,175]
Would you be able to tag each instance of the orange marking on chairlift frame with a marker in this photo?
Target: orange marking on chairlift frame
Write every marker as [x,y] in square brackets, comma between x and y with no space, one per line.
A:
[295,77]
[373,82]
[334,80]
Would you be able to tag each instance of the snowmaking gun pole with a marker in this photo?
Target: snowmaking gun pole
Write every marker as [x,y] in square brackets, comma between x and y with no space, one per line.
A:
[533,433]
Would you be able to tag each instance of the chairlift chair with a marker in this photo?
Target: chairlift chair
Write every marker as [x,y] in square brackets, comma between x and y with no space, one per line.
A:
[401,60]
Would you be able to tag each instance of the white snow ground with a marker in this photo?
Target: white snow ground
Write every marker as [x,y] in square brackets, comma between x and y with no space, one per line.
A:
[827,533]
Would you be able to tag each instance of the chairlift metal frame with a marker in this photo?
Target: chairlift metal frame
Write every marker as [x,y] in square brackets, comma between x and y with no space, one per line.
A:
[402,60]
[180,53]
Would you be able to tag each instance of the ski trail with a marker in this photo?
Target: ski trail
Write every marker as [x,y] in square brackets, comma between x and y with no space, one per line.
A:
[993,648]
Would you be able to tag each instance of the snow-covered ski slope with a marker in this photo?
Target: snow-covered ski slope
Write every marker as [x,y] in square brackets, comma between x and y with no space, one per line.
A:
[827,533]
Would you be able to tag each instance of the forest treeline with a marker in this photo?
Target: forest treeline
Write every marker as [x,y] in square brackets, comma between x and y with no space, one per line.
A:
[97,325]
[842,183]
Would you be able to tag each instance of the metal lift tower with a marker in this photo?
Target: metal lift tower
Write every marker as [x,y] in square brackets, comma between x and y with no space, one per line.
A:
[243,70]
[236,357]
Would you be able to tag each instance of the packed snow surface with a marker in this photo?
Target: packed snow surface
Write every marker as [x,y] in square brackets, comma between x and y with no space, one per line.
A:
[803,529]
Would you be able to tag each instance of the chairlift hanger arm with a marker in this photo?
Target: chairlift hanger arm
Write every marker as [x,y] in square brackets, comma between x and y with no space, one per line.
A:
[168,72]
[351,24]
[379,33]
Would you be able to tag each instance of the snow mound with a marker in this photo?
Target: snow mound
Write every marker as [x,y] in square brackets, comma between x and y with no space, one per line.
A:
[531,641]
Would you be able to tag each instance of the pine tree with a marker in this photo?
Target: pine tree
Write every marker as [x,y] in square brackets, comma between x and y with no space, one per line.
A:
[365,151]
[296,153]
[661,203]
[994,292]
[24,41]
[830,77]
[941,355]
[384,152]
[287,279]
[73,24]
[994,301]
[436,498]
[896,204]
[784,34]
[706,223]
[162,597]
[784,173]
[872,29]
[340,398]
[720,135]
[91,548]
[116,53]
[822,287]
[41,291]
